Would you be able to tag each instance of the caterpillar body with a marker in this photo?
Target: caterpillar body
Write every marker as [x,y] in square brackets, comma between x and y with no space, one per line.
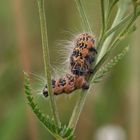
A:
[67,84]
[82,57]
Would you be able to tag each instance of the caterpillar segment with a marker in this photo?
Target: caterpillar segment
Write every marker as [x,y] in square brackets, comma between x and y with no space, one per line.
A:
[83,55]
[67,84]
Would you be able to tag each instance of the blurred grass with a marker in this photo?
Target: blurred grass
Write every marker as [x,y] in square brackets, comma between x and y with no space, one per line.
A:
[13,121]
[109,104]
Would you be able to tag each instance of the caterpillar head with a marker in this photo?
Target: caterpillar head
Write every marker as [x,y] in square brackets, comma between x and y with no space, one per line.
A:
[45,91]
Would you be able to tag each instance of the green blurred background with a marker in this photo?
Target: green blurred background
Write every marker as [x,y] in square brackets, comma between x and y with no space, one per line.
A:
[111,113]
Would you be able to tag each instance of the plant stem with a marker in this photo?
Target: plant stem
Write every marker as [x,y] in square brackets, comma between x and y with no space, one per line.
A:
[103,18]
[84,19]
[77,110]
[46,59]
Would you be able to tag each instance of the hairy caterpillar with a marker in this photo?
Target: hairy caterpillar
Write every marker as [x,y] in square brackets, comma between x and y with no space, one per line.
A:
[82,56]
[67,84]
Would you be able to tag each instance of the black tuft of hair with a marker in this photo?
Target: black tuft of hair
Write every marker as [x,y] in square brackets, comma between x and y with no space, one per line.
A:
[45,93]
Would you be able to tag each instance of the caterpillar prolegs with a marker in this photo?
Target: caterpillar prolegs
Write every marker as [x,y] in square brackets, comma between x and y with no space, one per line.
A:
[83,55]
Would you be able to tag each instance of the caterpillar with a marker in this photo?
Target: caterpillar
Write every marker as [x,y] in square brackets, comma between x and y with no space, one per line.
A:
[82,57]
[83,54]
[67,84]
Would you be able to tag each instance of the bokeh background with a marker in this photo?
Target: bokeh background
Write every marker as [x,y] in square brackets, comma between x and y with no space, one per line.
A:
[111,112]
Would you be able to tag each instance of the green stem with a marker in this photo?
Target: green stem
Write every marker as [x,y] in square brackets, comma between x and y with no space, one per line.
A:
[103,17]
[110,8]
[84,19]
[77,110]
[103,28]
[46,58]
